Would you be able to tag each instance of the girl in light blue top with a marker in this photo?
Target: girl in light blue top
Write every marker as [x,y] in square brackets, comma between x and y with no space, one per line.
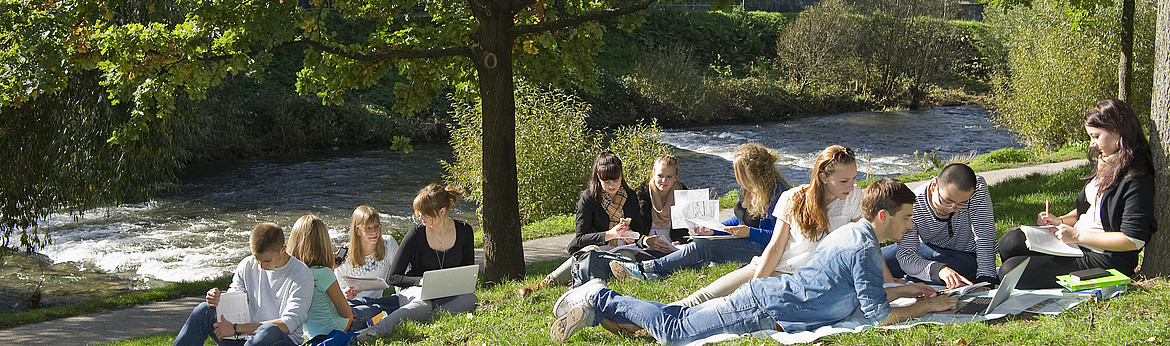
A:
[309,242]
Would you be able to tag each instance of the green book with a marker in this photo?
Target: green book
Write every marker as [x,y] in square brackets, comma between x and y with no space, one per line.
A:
[1113,279]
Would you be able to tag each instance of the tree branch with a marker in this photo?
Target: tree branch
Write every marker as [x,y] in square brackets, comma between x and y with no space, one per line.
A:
[578,20]
[518,5]
[375,56]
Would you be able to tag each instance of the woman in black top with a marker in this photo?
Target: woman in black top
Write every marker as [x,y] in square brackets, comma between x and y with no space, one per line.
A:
[1114,217]
[439,242]
[608,215]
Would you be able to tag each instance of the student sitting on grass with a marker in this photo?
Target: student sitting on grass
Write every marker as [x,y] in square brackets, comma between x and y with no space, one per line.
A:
[656,196]
[760,187]
[279,289]
[805,215]
[843,277]
[370,255]
[329,311]
[608,215]
[438,242]
[953,239]
[1114,217]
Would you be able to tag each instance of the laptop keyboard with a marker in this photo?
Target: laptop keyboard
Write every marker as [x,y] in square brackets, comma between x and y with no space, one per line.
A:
[975,306]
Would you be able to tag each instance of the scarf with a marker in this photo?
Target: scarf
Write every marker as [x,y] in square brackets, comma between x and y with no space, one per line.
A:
[660,203]
[613,206]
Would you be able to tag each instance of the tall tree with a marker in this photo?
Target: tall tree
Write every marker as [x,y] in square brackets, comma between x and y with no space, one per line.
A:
[1157,258]
[149,52]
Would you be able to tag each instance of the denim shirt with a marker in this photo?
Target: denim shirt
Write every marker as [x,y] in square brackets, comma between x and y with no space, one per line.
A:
[843,275]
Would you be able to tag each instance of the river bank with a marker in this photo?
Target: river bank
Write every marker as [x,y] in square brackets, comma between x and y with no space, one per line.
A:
[167,316]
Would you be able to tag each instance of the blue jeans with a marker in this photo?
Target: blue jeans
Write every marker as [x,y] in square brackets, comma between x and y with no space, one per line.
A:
[365,309]
[675,325]
[703,251]
[200,326]
[961,262]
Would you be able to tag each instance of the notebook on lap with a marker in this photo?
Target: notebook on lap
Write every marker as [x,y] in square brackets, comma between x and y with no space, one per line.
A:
[973,306]
[448,282]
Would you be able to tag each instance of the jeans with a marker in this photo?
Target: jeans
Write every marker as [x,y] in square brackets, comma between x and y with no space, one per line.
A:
[200,326]
[961,262]
[365,309]
[703,251]
[675,325]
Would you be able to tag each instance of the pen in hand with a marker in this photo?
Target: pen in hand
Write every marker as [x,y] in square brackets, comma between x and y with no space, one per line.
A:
[1046,223]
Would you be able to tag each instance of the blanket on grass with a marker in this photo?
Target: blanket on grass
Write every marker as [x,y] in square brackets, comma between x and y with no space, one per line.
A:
[1048,301]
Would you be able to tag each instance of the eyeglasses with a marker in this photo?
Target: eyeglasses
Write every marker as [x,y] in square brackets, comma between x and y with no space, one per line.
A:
[949,203]
[370,229]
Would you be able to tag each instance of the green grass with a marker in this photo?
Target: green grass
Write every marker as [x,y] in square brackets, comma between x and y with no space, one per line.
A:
[118,301]
[1133,318]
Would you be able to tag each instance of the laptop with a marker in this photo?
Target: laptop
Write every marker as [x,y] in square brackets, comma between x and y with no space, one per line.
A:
[974,306]
[448,282]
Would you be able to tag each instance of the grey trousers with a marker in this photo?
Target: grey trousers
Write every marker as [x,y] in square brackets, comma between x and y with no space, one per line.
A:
[422,310]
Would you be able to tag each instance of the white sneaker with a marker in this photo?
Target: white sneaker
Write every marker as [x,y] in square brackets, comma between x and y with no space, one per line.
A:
[574,320]
[581,295]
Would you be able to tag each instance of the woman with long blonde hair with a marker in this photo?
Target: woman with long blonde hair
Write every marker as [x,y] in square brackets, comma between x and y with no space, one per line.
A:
[760,186]
[804,215]
[309,242]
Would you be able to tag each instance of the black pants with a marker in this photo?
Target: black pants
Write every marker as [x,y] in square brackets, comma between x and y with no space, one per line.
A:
[1043,269]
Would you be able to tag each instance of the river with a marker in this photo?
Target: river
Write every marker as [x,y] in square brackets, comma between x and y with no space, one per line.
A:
[201,232]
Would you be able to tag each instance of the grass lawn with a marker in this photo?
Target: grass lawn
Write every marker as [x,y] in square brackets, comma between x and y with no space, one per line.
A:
[1140,316]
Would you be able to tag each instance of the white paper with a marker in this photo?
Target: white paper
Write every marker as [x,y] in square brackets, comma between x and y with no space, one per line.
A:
[962,291]
[695,204]
[1041,239]
[709,224]
[364,284]
[233,306]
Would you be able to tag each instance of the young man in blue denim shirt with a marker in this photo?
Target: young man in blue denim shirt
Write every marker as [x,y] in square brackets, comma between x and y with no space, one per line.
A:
[843,278]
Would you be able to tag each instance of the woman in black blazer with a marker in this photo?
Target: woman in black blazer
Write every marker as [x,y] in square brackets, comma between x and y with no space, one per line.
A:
[1114,217]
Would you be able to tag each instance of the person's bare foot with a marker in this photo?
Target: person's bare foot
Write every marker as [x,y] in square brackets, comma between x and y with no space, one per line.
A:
[526,290]
[623,329]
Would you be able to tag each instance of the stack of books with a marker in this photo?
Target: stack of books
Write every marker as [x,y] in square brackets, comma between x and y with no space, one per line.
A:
[1097,282]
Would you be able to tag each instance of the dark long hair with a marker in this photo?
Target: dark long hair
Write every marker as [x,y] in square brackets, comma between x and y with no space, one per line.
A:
[607,166]
[1133,155]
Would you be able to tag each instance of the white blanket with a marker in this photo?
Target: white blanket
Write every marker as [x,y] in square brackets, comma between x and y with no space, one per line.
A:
[1021,300]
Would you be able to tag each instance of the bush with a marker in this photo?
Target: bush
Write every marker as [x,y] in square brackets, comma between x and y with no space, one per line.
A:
[638,145]
[554,150]
[1006,155]
[1055,70]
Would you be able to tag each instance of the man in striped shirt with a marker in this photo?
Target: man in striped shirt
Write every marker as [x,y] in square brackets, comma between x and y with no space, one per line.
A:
[953,239]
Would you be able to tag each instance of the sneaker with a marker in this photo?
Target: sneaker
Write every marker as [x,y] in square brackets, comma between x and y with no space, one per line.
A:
[578,296]
[574,320]
[624,271]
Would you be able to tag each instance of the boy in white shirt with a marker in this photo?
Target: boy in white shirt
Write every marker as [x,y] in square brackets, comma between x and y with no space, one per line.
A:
[279,289]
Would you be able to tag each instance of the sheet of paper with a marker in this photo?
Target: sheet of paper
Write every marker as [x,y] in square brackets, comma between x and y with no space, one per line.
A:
[233,306]
[708,223]
[726,236]
[364,284]
[1041,239]
[692,204]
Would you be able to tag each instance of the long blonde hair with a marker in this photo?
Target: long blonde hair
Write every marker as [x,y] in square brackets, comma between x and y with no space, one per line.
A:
[310,243]
[809,209]
[755,171]
[362,215]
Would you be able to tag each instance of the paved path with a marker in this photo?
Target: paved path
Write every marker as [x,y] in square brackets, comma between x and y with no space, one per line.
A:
[169,316]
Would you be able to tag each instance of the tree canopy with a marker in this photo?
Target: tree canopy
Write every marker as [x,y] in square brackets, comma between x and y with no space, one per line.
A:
[147,56]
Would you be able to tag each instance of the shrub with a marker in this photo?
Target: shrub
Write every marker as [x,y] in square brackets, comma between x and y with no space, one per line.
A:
[1006,155]
[1055,70]
[554,150]
[638,145]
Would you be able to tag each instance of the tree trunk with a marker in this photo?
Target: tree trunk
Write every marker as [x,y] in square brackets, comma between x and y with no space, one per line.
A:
[1125,63]
[1157,258]
[503,248]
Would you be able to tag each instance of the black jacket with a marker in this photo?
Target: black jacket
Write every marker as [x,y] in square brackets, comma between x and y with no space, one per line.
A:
[1127,207]
[643,192]
[593,221]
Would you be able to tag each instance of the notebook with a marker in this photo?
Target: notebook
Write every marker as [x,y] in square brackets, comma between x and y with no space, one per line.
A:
[233,306]
[984,305]
[448,282]
[1041,239]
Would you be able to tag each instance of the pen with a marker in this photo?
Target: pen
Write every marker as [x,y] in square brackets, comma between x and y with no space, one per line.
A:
[1046,223]
[655,233]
